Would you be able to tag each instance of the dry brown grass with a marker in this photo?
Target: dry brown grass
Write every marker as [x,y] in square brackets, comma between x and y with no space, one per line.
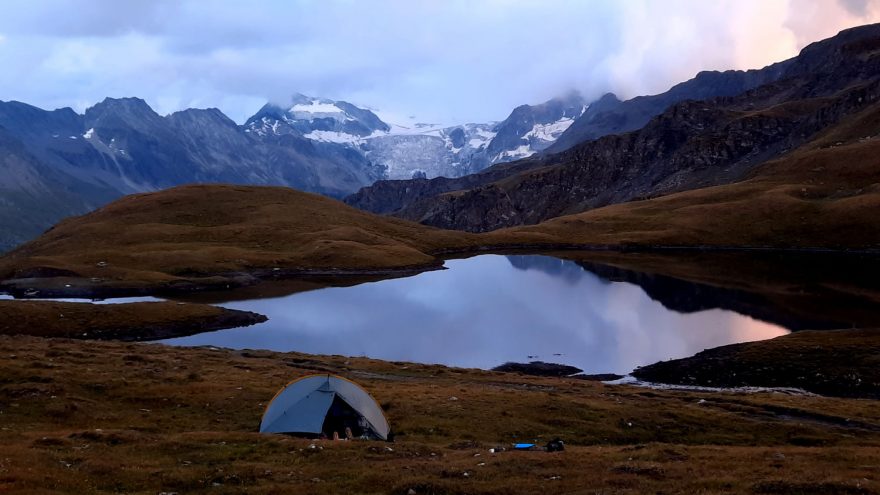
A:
[823,195]
[842,363]
[131,321]
[141,418]
[819,199]
[198,231]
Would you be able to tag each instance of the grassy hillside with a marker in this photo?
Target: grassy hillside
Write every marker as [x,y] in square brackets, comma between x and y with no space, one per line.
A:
[822,195]
[820,198]
[194,232]
[102,417]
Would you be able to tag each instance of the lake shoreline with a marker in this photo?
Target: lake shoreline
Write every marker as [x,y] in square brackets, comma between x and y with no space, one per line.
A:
[125,322]
[65,286]
[834,363]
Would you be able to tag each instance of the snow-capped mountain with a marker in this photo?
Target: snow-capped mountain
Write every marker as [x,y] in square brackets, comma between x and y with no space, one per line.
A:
[401,151]
[419,150]
[57,163]
[318,119]
[425,151]
[532,128]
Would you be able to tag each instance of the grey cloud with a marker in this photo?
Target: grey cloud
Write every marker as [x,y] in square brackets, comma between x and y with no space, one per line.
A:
[855,7]
[450,61]
[98,18]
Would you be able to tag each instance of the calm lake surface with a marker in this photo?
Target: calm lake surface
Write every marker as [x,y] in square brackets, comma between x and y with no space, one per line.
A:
[484,311]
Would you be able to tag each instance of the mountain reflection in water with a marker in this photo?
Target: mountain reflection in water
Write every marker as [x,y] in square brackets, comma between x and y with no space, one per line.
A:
[487,310]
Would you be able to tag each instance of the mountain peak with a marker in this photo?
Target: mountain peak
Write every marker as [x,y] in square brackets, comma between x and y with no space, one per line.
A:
[127,102]
[126,109]
[320,119]
[532,128]
[572,97]
[606,99]
[207,115]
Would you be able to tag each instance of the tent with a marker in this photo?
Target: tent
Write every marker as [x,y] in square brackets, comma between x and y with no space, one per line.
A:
[323,404]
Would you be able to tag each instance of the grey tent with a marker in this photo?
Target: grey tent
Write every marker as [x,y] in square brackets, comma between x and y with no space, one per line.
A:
[324,404]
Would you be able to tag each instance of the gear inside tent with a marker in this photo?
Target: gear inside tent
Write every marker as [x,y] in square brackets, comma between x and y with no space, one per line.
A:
[324,405]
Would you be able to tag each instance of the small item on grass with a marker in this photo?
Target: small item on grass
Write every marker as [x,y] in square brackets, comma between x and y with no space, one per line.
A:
[524,446]
[555,445]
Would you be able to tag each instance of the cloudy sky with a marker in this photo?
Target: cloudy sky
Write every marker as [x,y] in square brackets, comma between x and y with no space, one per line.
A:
[448,61]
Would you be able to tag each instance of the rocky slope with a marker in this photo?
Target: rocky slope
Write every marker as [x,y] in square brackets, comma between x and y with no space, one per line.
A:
[533,128]
[556,126]
[609,115]
[693,144]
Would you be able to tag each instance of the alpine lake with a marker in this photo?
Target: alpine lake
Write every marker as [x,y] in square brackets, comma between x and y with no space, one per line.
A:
[600,312]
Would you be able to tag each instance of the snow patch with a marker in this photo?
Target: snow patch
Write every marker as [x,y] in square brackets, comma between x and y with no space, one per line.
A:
[631,380]
[264,127]
[315,106]
[487,135]
[549,132]
[318,110]
[89,133]
[333,137]
[415,129]
[521,151]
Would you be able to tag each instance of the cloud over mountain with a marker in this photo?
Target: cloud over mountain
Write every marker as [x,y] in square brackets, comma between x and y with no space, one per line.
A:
[450,61]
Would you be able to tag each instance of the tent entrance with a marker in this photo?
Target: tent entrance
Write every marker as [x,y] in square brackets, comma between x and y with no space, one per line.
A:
[321,405]
[341,416]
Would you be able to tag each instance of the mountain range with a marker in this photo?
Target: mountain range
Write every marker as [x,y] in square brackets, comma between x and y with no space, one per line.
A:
[712,139]
[560,157]
[59,163]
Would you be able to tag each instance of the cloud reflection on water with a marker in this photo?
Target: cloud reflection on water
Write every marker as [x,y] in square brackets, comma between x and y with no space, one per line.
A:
[482,312]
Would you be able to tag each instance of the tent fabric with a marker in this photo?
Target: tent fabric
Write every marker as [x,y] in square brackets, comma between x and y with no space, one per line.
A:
[302,406]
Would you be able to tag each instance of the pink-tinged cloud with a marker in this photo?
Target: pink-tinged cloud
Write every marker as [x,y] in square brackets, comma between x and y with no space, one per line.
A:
[449,61]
